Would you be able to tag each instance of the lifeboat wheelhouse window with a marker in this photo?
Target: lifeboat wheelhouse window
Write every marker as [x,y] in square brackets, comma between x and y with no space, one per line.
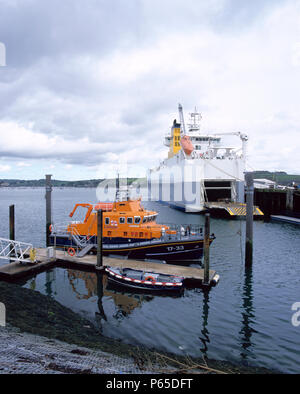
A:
[129,220]
[122,220]
[137,219]
[106,220]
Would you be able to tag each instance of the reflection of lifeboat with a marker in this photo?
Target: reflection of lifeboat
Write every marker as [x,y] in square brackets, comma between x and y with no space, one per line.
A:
[131,231]
[187,144]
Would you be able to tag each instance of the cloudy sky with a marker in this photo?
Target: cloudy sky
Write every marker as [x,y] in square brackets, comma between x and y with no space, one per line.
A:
[91,84]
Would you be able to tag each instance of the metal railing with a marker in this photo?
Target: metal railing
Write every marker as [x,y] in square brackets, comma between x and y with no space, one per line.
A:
[16,250]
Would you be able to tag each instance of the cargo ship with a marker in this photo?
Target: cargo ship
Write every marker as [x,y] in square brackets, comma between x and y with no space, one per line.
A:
[200,170]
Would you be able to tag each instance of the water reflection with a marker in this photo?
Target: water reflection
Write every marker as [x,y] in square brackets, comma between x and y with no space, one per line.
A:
[101,314]
[90,282]
[205,333]
[97,284]
[50,280]
[247,314]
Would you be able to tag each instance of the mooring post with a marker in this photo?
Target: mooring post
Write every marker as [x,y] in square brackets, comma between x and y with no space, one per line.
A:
[206,249]
[99,239]
[249,218]
[12,222]
[11,226]
[48,208]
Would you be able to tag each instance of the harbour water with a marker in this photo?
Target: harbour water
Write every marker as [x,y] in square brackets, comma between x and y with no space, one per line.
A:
[246,318]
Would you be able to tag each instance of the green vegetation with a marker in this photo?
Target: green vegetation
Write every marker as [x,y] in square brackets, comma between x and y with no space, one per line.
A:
[56,183]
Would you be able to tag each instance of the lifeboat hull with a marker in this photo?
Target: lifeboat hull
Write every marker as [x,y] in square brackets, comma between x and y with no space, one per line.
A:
[179,251]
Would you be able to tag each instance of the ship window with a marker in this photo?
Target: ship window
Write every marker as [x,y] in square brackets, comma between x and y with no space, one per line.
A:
[141,235]
[125,233]
[129,220]
[106,220]
[122,220]
[137,219]
[145,219]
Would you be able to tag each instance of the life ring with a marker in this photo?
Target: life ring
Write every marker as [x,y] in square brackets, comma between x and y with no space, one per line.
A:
[50,228]
[71,252]
[150,278]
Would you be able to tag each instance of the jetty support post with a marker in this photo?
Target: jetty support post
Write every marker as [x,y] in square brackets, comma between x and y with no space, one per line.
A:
[11,226]
[99,239]
[48,208]
[249,219]
[206,249]
[12,222]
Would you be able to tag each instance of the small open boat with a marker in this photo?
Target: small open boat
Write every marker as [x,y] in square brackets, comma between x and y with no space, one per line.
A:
[144,280]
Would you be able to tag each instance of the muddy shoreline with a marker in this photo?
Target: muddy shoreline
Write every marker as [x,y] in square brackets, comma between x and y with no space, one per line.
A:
[34,313]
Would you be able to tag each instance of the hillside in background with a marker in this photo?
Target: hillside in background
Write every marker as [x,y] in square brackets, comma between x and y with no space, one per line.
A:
[280,177]
[57,183]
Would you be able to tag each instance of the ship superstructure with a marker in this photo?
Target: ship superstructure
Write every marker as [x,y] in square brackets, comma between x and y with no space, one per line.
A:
[200,168]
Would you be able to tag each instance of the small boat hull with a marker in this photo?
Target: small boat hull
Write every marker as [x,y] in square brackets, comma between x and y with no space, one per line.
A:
[144,281]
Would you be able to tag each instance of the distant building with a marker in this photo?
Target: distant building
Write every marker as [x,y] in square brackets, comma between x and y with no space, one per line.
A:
[264,184]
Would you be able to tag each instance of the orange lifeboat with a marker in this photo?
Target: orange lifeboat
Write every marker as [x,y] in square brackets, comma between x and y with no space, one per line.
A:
[187,144]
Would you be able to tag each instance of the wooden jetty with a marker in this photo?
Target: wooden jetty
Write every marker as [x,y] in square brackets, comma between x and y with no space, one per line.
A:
[16,270]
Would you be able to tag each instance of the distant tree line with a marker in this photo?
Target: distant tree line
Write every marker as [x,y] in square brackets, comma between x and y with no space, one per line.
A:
[56,183]
[280,177]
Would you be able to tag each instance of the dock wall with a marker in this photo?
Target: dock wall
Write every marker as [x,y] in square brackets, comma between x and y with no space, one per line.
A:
[278,202]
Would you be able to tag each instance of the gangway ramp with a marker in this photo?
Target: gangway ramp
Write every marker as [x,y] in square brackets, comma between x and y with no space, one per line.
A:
[231,208]
[16,250]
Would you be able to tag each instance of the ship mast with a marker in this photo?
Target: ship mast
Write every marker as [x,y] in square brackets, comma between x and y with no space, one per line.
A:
[182,125]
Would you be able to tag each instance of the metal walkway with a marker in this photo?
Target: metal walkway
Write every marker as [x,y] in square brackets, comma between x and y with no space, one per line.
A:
[16,250]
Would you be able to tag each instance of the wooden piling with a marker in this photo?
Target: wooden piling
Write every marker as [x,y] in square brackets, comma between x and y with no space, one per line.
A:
[12,222]
[99,239]
[249,219]
[11,226]
[206,249]
[48,208]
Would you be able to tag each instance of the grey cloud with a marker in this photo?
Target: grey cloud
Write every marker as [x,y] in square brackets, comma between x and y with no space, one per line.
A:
[48,81]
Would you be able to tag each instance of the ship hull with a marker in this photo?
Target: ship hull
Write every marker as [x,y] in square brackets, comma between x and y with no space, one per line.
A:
[180,250]
[188,184]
